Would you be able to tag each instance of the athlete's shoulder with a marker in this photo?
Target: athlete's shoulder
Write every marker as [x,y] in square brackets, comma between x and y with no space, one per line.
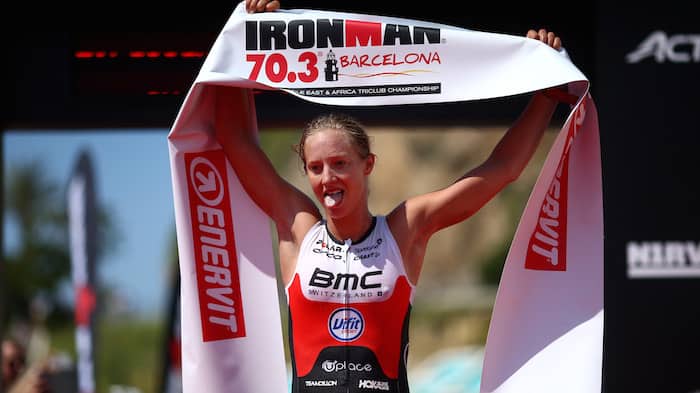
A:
[314,228]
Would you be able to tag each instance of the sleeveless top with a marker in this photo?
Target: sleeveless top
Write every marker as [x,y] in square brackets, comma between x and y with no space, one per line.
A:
[349,309]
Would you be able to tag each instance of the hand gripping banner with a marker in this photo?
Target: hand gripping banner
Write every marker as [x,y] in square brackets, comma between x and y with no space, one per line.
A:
[546,332]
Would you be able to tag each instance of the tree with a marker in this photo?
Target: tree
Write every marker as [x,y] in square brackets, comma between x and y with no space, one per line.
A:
[40,263]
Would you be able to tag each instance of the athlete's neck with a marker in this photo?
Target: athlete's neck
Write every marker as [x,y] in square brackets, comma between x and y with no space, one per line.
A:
[354,227]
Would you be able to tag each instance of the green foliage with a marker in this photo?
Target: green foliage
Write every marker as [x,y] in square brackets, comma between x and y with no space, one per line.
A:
[129,352]
[279,146]
[492,265]
[63,339]
[41,260]
[40,263]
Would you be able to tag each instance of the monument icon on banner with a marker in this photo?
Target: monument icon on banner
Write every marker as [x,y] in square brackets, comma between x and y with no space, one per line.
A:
[331,67]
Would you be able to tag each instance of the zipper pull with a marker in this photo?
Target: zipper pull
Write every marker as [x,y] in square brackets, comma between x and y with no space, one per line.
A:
[346,247]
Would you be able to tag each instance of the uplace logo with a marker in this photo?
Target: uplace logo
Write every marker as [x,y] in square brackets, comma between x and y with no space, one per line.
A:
[218,283]
[331,366]
[346,324]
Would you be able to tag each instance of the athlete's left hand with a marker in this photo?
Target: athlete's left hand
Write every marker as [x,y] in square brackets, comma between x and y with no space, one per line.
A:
[253,6]
[546,37]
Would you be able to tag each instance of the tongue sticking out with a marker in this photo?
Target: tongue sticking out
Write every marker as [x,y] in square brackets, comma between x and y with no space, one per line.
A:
[332,199]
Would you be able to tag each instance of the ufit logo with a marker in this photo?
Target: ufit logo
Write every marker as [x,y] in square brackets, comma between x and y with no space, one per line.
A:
[547,246]
[346,324]
[218,283]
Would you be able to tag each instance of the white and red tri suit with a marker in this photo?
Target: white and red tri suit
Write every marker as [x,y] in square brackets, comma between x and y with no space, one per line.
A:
[349,311]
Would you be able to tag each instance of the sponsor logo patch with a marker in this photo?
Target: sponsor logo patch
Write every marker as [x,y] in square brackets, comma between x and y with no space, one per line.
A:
[331,366]
[325,382]
[218,283]
[374,385]
[661,47]
[346,324]
[652,259]
[305,51]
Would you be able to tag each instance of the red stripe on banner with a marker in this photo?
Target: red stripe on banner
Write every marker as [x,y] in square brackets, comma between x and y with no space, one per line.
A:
[547,247]
[218,283]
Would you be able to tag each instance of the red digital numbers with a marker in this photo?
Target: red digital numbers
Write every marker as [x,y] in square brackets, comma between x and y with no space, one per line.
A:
[276,68]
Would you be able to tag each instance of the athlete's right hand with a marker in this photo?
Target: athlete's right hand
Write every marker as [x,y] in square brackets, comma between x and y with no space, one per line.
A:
[253,6]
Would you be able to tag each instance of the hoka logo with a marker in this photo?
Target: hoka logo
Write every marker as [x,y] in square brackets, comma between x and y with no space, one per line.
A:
[376,385]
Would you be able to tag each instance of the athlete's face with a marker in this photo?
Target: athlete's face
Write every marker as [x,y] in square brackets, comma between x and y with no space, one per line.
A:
[337,173]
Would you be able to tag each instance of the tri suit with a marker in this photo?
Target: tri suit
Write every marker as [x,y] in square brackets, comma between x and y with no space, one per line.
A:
[349,311]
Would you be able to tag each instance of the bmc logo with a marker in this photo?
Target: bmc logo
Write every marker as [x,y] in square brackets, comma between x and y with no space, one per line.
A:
[324,279]
[218,284]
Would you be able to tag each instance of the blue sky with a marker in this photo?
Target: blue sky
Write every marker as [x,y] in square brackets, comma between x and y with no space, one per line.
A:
[132,179]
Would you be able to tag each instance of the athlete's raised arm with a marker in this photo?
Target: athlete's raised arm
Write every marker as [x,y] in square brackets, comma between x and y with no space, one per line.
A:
[292,211]
[417,219]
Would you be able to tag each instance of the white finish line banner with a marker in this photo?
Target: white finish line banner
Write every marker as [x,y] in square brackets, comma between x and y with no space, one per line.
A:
[546,332]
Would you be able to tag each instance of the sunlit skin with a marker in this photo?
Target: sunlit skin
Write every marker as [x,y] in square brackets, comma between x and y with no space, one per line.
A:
[546,37]
[338,177]
[253,6]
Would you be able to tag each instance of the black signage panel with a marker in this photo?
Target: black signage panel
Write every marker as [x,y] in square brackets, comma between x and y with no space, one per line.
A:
[648,78]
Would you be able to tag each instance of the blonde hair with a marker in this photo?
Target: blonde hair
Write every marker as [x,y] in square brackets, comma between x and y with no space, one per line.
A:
[337,121]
